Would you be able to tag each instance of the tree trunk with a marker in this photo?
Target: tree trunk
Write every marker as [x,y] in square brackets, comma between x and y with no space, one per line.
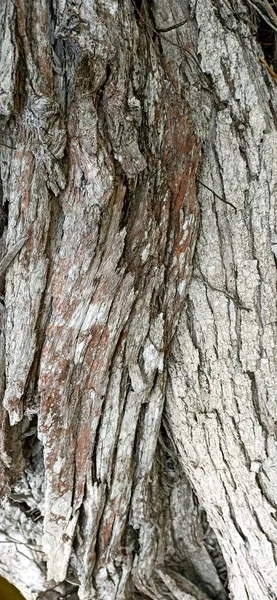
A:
[138,445]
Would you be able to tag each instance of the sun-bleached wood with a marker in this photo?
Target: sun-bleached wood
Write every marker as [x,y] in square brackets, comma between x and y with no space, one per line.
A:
[138,374]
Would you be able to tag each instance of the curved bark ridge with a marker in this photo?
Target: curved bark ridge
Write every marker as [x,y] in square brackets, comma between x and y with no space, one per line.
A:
[222,394]
[102,181]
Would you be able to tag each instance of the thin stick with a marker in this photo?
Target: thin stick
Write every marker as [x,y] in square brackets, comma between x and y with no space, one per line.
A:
[271,11]
[171,27]
[163,37]
[11,254]
[262,14]
[272,73]
[14,541]
[216,195]
[7,146]
[40,594]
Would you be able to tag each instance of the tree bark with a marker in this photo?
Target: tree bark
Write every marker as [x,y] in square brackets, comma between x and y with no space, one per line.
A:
[138,444]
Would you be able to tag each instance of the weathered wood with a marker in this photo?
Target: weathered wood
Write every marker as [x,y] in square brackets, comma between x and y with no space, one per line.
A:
[222,402]
[104,108]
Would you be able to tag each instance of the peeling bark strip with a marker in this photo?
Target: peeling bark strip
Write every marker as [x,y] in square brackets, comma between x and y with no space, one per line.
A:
[117,286]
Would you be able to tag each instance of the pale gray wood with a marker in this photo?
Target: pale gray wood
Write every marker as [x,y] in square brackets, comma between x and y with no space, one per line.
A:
[137,446]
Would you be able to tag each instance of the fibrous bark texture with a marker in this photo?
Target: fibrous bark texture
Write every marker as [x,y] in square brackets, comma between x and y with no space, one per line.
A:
[222,401]
[138,452]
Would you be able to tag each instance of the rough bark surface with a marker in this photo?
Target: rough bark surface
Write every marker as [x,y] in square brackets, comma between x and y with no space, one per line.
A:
[138,452]
[222,401]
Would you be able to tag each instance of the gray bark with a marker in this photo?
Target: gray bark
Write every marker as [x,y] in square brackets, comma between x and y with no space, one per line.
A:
[138,375]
